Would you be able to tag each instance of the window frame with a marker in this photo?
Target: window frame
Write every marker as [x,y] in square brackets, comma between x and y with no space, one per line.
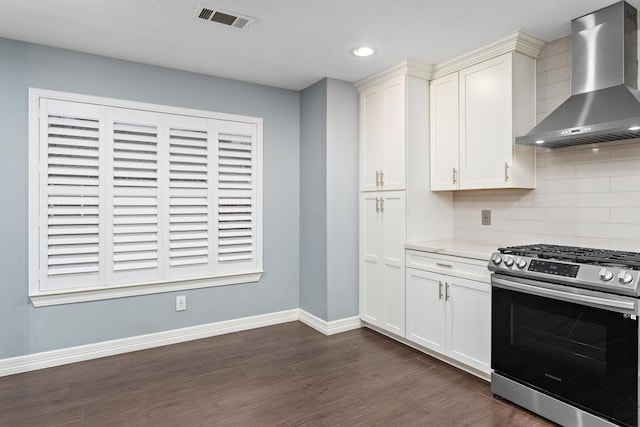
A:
[41,297]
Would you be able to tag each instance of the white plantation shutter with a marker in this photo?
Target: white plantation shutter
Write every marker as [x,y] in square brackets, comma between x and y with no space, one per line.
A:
[122,196]
[134,163]
[70,238]
[189,196]
[237,196]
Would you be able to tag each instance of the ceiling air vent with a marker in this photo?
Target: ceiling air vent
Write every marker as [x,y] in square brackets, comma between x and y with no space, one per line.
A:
[223,17]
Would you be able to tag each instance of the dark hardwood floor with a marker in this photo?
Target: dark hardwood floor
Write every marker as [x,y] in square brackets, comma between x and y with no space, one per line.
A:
[282,375]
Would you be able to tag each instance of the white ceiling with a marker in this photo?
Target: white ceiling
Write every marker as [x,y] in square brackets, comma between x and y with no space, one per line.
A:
[293,43]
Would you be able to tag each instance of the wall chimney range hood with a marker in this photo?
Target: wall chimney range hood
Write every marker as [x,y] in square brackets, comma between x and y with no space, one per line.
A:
[605,103]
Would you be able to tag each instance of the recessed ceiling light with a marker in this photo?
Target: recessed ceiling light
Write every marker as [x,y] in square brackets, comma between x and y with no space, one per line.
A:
[634,128]
[363,51]
[540,141]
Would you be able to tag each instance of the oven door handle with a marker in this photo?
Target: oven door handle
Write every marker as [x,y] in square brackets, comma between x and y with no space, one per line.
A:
[594,301]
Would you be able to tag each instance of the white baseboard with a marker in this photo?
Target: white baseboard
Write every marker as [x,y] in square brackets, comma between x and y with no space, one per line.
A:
[49,359]
[330,328]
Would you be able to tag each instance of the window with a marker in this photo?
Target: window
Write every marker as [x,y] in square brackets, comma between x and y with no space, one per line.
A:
[128,198]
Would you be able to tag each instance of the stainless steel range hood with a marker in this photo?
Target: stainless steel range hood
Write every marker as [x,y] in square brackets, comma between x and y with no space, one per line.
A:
[604,104]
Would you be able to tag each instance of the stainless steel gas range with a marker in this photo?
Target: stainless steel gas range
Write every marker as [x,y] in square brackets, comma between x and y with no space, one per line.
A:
[564,325]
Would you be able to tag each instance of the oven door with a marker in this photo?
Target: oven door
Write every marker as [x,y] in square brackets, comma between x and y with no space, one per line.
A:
[576,345]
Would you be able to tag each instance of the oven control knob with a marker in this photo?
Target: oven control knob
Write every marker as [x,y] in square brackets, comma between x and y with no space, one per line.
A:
[521,263]
[624,277]
[605,274]
[508,261]
[497,259]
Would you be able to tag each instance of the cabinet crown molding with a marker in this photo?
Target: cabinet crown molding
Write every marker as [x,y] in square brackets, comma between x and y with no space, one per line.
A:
[518,41]
[408,68]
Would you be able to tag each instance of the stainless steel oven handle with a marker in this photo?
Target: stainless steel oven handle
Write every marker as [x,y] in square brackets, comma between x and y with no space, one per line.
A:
[567,296]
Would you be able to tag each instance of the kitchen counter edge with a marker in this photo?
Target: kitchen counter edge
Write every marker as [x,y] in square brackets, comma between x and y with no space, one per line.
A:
[456,247]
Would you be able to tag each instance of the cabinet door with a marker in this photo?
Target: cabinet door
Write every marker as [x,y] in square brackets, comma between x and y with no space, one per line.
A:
[425,309]
[444,132]
[469,322]
[372,290]
[486,123]
[394,143]
[383,136]
[393,212]
[371,138]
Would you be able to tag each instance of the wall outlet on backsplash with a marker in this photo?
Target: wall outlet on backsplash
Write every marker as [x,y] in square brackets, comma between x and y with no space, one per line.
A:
[486,217]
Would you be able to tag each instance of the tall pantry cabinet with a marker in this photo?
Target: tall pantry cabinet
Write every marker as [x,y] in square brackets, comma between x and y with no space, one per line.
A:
[396,205]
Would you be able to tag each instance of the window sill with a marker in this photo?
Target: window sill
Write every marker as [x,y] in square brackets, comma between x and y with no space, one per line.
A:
[43,299]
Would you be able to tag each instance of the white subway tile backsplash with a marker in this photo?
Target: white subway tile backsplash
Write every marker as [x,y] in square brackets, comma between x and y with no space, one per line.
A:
[510,238]
[520,213]
[626,151]
[578,214]
[609,168]
[593,242]
[586,195]
[593,215]
[625,183]
[578,185]
[535,200]
[625,215]
[556,171]
[557,75]
[560,214]
[609,231]
[611,200]
[505,225]
[474,234]
[552,62]
[559,228]
[625,245]
[489,202]
[578,155]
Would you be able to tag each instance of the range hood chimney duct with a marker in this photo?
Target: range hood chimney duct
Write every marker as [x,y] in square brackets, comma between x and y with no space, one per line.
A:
[605,103]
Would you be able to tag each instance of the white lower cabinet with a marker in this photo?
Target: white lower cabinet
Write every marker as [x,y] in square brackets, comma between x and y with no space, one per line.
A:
[382,287]
[450,315]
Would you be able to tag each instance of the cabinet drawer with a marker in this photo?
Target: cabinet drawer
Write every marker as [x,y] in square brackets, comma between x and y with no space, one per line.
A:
[468,268]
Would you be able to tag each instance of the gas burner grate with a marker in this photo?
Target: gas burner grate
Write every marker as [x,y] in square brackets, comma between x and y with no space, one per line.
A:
[579,255]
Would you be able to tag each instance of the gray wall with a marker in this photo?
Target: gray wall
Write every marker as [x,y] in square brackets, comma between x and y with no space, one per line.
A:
[342,200]
[313,199]
[25,329]
[329,200]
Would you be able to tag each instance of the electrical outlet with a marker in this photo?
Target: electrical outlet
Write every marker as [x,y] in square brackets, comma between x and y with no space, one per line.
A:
[486,217]
[181,303]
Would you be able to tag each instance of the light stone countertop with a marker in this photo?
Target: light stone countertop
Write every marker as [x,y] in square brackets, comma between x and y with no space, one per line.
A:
[457,247]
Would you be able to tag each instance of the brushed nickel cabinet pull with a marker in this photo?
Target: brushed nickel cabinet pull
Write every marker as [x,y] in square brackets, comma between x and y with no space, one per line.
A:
[377,178]
[439,290]
[455,175]
[446,292]
[506,171]
[381,178]
[381,204]
[441,264]
[377,205]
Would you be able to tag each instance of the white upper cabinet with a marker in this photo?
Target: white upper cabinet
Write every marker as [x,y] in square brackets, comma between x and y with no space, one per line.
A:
[475,115]
[445,133]
[383,136]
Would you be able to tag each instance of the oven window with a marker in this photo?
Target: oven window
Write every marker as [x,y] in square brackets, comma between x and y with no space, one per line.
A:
[582,355]
[578,337]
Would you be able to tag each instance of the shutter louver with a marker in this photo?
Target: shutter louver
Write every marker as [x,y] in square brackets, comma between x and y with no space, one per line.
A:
[73,166]
[236,193]
[188,196]
[135,196]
